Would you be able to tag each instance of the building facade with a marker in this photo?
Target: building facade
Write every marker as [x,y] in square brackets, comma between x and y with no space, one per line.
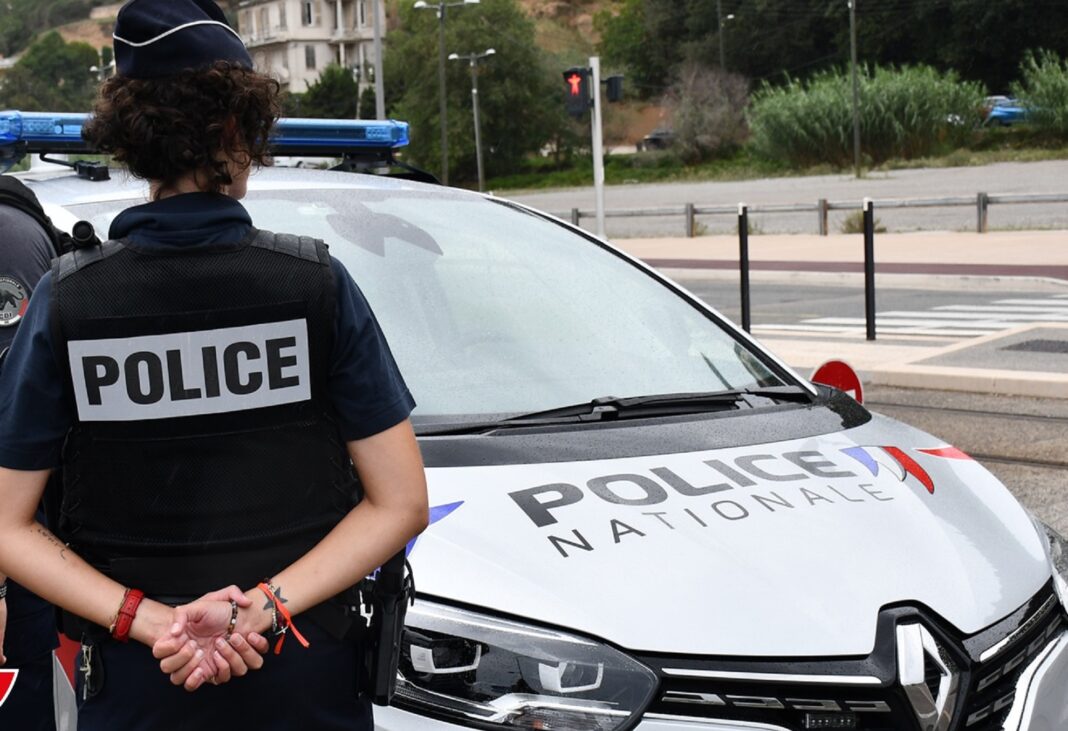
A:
[294,40]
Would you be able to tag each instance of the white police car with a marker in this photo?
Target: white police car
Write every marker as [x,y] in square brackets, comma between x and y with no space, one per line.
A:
[640,517]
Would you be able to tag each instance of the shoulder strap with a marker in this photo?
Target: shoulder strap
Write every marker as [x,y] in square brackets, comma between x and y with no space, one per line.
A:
[72,261]
[15,194]
[302,247]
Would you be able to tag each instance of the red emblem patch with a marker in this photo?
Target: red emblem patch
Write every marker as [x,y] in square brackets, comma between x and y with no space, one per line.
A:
[7,682]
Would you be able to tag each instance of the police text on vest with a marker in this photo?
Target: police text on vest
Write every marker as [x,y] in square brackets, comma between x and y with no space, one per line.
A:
[191,373]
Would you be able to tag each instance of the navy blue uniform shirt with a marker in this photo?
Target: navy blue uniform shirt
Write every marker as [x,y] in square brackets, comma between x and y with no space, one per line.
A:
[36,408]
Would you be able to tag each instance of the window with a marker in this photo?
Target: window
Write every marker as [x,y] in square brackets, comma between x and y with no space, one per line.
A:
[363,13]
[243,24]
[282,16]
[307,12]
[265,23]
[309,56]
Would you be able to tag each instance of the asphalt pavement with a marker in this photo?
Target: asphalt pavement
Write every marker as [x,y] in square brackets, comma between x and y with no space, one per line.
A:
[1000,178]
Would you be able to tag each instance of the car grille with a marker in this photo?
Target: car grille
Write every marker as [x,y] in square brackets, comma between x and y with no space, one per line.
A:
[864,693]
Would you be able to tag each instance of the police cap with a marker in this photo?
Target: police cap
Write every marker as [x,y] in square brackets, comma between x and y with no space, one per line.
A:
[160,38]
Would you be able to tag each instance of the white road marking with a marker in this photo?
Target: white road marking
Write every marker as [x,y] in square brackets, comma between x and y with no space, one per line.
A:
[954,321]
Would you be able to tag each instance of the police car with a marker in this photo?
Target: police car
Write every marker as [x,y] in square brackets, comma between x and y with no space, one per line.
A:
[640,517]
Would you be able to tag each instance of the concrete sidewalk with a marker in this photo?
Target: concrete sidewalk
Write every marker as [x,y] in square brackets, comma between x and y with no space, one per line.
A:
[1031,360]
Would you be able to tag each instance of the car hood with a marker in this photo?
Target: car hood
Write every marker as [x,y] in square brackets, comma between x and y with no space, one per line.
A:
[782,549]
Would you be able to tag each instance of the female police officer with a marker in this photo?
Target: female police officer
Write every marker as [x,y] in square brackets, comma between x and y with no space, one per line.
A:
[220,399]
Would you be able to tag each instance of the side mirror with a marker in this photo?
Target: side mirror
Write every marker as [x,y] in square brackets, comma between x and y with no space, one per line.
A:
[839,374]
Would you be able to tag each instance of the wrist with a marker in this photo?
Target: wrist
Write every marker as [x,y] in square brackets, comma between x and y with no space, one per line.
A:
[257,616]
[152,621]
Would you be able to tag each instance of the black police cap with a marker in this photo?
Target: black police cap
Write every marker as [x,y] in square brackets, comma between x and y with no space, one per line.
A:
[160,38]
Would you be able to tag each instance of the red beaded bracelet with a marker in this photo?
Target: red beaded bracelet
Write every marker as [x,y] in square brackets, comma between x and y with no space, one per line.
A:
[124,621]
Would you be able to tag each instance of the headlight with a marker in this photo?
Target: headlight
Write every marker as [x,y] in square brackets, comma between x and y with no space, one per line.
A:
[492,673]
[1058,556]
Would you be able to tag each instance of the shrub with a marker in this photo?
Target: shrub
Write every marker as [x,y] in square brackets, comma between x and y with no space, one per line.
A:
[1044,90]
[708,109]
[905,113]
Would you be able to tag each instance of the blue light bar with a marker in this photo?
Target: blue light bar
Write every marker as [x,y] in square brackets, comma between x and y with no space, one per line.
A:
[337,136]
[43,131]
[46,132]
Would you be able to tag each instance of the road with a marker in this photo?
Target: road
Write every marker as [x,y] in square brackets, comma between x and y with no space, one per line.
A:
[942,313]
[1036,177]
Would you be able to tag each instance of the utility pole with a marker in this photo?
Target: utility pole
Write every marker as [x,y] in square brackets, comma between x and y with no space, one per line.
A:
[473,59]
[856,84]
[380,77]
[441,6]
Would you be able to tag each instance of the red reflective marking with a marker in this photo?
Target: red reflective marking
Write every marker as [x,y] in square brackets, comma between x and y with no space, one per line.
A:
[7,682]
[912,467]
[576,84]
[947,452]
[67,653]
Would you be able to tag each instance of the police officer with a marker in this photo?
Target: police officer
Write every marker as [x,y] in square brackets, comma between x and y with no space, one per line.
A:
[27,623]
[226,412]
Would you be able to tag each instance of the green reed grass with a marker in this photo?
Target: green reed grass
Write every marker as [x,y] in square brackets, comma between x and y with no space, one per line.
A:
[904,113]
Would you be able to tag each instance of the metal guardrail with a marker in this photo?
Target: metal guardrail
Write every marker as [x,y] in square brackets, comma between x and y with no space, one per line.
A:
[823,207]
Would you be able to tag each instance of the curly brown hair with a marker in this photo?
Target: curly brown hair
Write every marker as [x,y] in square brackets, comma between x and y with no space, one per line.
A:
[164,129]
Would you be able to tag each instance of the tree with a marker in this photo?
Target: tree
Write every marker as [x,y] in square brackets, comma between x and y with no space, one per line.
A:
[334,95]
[520,99]
[52,76]
[708,109]
[772,39]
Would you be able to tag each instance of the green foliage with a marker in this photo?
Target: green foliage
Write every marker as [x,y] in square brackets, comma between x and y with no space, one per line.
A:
[767,39]
[520,95]
[1044,90]
[904,113]
[52,76]
[334,95]
[21,20]
[367,103]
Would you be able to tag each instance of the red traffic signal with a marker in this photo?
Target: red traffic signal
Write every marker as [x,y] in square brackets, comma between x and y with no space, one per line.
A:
[577,91]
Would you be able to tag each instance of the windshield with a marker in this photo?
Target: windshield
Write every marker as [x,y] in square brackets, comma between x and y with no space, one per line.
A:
[493,311]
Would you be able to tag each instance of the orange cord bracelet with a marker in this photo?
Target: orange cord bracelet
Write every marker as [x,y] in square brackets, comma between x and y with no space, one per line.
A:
[280,608]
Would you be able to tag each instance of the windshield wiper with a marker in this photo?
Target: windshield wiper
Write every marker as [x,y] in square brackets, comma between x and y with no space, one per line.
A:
[609,408]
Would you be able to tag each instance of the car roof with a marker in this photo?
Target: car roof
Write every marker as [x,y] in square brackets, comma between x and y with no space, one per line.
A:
[65,188]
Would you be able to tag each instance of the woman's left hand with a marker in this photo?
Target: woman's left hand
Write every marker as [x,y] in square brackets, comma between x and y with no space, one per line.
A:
[197,650]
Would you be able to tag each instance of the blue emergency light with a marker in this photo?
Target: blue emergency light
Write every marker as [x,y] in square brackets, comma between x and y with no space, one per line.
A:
[44,132]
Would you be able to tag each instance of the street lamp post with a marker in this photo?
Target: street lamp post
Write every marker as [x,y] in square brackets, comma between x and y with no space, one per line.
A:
[473,59]
[856,85]
[720,20]
[441,7]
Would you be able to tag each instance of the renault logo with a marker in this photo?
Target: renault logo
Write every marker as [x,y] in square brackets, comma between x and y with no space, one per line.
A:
[929,677]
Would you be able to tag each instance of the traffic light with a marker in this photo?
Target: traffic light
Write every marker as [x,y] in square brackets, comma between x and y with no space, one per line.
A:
[577,91]
[615,88]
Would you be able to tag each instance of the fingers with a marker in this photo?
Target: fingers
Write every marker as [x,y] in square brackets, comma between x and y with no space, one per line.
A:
[184,675]
[175,661]
[167,646]
[234,661]
[224,669]
[259,643]
[252,657]
[181,618]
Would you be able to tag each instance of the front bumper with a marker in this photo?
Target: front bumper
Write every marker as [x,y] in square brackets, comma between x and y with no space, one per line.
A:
[1041,704]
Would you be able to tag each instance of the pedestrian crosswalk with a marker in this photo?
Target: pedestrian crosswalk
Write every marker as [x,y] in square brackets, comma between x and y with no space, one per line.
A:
[950,321]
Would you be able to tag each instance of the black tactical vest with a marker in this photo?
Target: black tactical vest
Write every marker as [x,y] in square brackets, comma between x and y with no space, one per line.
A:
[205,450]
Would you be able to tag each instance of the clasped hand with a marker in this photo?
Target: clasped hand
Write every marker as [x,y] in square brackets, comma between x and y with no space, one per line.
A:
[196,649]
